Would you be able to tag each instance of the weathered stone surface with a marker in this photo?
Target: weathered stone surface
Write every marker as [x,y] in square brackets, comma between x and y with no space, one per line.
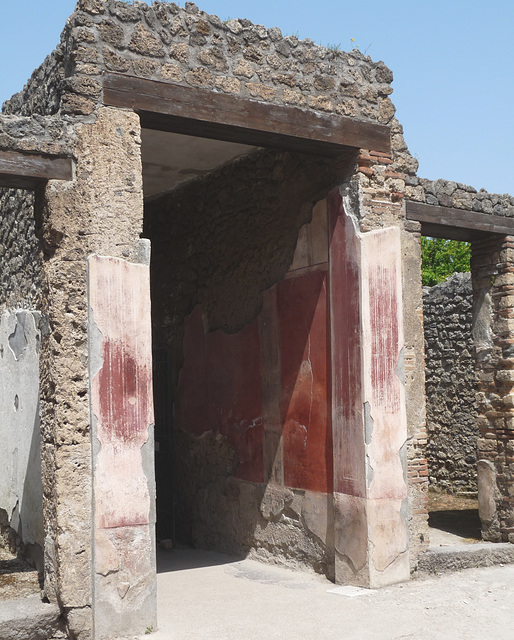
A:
[466,557]
[318,515]
[76,220]
[28,619]
[487,491]
[491,268]
[413,373]
[447,193]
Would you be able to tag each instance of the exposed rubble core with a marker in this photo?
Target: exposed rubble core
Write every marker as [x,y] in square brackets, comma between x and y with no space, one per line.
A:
[451,385]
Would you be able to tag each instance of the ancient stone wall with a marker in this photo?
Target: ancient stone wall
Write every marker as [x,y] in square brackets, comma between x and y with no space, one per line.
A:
[20,276]
[190,47]
[22,328]
[447,193]
[451,385]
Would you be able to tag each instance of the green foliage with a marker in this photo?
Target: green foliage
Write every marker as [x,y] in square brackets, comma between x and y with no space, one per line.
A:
[442,258]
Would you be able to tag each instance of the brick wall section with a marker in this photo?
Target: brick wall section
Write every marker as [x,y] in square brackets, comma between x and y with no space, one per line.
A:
[493,285]
[451,385]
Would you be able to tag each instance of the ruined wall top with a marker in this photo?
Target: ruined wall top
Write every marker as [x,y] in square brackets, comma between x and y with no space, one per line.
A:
[191,48]
[446,193]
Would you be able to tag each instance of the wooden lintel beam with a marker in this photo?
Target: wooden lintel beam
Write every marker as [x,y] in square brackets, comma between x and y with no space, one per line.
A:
[21,170]
[457,224]
[170,107]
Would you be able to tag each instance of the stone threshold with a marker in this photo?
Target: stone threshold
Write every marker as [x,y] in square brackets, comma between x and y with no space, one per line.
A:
[457,557]
[28,619]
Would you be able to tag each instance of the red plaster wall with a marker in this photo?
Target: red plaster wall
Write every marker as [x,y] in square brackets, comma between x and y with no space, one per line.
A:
[304,351]
[221,384]
[346,351]
[220,390]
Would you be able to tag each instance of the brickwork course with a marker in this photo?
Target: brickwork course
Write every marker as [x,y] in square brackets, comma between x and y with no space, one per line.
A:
[285,288]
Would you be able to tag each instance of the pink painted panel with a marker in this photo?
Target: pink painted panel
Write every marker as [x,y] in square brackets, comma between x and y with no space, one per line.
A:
[305,379]
[383,330]
[347,400]
[220,390]
[121,390]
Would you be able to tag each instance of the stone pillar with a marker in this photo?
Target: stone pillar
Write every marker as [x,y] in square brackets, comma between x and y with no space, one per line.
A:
[99,212]
[368,402]
[417,464]
[492,269]
[120,359]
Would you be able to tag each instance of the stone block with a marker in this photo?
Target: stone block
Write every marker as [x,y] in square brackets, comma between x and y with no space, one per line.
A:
[28,619]
[486,491]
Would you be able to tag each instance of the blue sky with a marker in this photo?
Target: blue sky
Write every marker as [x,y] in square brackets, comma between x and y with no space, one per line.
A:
[453,65]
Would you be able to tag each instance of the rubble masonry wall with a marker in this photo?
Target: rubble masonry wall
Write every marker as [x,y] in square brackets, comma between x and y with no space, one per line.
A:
[451,385]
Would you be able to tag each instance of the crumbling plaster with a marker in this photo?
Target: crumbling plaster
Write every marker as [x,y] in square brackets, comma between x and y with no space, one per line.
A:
[20,461]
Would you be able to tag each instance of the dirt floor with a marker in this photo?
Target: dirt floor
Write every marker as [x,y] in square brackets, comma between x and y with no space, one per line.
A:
[453,515]
[438,501]
[17,578]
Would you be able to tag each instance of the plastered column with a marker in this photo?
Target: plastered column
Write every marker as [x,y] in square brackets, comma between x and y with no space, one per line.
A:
[120,356]
[99,212]
[368,403]
[492,268]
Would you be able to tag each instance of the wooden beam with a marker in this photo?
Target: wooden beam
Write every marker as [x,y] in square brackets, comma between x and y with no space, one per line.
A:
[457,224]
[198,112]
[22,170]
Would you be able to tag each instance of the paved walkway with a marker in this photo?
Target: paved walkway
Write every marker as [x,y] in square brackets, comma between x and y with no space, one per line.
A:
[208,596]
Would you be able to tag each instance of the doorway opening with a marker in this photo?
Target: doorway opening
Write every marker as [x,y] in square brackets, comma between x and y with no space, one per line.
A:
[242,349]
[451,394]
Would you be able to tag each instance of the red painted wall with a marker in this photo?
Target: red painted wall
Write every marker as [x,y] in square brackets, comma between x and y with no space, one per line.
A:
[221,384]
[220,390]
[305,358]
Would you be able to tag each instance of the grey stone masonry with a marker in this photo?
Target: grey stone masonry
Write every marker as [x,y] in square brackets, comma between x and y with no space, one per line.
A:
[451,385]
[447,193]
[34,134]
[189,47]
